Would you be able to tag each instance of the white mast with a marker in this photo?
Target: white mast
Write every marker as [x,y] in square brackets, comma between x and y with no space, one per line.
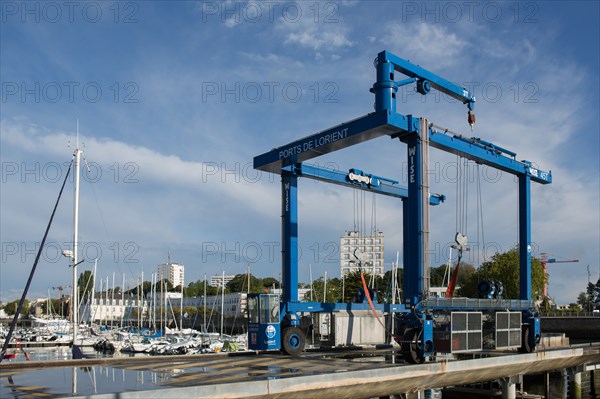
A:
[93,306]
[74,299]
[141,297]
[222,301]
[181,308]
[112,301]
[311,281]
[123,300]
[204,305]
[325,288]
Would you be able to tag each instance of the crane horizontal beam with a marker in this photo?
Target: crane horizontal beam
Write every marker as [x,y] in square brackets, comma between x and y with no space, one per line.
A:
[336,138]
[378,185]
[394,125]
[414,71]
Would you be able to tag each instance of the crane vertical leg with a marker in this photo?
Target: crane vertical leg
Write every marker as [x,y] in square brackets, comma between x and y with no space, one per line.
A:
[289,231]
[524,237]
[417,231]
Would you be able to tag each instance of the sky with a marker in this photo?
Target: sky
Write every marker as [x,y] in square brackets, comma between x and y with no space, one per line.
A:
[175,99]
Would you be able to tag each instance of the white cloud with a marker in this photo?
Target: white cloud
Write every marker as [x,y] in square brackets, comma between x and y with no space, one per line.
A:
[317,35]
[429,44]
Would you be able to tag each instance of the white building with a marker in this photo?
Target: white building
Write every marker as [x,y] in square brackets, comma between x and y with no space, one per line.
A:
[302,293]
[219,281]
[233,304]
[369,249]
[108,310]
[173,272]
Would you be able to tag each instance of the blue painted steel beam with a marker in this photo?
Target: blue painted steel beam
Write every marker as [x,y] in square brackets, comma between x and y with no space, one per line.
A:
[414,71]
[328,307]
[384,186]
[413,243]
[289,235]
[336,138]
[524,237]
[487,155]
[381,123]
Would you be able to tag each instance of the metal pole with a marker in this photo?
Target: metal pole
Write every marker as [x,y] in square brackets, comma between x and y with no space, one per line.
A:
[123,300]
[74,299]
[112,302]
[325,288]
[222,301]
[181,308]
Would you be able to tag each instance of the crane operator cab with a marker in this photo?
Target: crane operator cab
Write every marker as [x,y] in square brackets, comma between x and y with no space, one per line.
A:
[264,322]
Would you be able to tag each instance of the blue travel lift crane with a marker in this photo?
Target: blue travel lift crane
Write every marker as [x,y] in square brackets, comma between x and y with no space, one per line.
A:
[423,325]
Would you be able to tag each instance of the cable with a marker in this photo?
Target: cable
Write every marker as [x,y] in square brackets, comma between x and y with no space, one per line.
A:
[35,263]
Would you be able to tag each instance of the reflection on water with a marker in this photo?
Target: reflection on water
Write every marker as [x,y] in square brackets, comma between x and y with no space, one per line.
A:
[54,353]
[58,382]
[89,380]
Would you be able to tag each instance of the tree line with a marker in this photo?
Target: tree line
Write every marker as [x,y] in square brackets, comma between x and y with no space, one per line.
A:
[503,267]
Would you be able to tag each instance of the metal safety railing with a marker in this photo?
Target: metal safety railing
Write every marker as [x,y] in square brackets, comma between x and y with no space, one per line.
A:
[570,314]
[472,303]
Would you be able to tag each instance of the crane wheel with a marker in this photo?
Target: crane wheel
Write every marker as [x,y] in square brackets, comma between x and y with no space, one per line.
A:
[526,346]
[410,348]
[293,341]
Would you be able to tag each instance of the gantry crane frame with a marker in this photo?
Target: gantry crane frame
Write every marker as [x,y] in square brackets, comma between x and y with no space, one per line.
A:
[288,161]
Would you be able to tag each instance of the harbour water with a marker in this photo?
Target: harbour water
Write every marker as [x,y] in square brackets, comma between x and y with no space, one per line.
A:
[123,374]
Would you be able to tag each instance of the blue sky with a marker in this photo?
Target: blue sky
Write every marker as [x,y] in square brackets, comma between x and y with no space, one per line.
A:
[175,99]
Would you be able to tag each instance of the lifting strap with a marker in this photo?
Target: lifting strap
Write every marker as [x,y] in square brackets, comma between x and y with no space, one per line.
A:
[368,296]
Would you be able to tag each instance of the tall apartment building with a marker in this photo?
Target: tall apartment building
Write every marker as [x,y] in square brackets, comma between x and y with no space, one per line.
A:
[370,248]
[218,281]
[172,272]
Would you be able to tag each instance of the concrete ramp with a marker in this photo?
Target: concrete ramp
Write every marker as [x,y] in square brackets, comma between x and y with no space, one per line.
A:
[380,380]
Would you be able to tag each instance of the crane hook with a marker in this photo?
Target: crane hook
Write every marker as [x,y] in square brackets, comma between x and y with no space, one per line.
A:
[471,118]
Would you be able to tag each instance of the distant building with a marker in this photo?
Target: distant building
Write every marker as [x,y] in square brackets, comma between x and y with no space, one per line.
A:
[173,272]
[302,292]
[219,281]
[370,248]
[103,309]
[234,305]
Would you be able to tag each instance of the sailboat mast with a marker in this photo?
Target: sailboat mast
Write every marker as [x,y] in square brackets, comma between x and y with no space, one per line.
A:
[181,308]
[75,299]
[93,306]
[222,301]
[112,301]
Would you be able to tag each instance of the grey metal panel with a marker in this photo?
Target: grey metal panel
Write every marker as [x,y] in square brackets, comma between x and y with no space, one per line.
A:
[508,330]
[466,333]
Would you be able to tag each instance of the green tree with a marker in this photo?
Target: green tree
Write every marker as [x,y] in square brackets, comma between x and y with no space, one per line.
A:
[352,283]
[11,307]
[240,284]
[270,282]
[334,290]
[52,307]
[196,289]
[85,284]
[437,274]
[583,300]
[385,287]
[590,299]
[504,267]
